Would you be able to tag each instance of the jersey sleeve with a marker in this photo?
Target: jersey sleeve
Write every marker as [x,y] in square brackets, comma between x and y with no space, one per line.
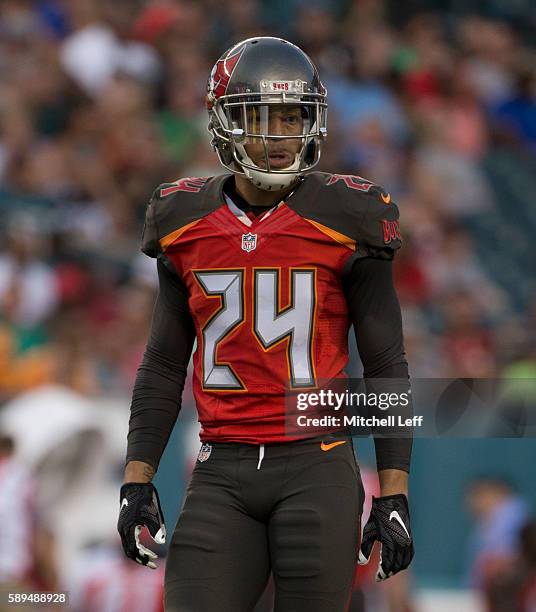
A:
[175,205]
[161,214]
[374,310]
[377,232]
[157,394]
[149,239]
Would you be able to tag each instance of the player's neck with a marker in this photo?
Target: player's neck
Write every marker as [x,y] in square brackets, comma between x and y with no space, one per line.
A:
[259,197]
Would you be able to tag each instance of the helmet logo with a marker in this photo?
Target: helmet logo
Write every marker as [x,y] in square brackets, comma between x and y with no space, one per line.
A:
[221,74]
[249,242]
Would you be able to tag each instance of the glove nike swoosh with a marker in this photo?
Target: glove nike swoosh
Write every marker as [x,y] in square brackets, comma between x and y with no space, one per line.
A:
[387,515]
[140,507]
[394,515]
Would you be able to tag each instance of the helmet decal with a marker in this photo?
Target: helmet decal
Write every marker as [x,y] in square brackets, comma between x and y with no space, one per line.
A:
[221,74]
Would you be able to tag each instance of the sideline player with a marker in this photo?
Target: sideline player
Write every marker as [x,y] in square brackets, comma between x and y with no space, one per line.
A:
[266,267]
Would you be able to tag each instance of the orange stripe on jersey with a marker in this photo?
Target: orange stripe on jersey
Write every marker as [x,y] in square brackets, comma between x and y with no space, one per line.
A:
[337,236]
[166,241]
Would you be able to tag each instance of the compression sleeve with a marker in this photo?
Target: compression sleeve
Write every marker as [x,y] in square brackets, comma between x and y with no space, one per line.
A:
[374,310]
[156,398]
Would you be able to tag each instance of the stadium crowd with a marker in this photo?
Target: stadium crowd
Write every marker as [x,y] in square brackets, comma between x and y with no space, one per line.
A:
[101,101]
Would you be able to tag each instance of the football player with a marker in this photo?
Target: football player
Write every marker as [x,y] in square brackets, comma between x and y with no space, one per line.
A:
[266,267]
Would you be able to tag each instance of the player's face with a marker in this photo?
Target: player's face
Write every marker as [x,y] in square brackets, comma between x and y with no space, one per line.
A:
[275,121]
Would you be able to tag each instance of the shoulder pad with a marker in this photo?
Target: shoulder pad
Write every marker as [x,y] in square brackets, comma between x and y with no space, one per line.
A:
[354,207]
[373,216]
[174,205]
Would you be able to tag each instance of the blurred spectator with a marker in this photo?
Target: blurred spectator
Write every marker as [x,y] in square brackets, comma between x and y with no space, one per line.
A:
[516,588]
[99,47]
[515,115]
[28,292]
[468,344]
[527,595]
[27,548]
[499,514]
[104,580]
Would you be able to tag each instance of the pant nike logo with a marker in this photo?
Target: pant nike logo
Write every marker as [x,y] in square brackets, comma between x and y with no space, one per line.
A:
[327,447]
[394,515]
[123,503]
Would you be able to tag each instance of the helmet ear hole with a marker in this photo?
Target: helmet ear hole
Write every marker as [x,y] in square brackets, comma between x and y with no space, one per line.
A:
[226,154]
[310,152]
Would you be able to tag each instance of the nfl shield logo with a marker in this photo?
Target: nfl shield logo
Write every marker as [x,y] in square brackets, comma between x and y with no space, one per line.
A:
[249,242]
[204,453]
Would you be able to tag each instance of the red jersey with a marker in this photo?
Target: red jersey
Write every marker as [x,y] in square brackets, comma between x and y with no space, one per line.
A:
[266,295]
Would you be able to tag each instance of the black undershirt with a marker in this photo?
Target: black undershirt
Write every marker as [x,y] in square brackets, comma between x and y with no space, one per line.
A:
[373,309]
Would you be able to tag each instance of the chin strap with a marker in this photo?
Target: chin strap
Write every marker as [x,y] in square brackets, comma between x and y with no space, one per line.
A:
[270,182]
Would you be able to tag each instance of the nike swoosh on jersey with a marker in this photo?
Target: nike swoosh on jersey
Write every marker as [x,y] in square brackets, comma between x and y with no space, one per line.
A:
[386,199]
[123,503]
[327,447]
[394,515]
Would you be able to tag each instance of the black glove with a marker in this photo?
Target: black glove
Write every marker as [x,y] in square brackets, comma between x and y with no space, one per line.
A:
[389,524]
[140,507]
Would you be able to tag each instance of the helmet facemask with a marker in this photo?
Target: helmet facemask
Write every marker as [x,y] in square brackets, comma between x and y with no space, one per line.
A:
[264,119]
